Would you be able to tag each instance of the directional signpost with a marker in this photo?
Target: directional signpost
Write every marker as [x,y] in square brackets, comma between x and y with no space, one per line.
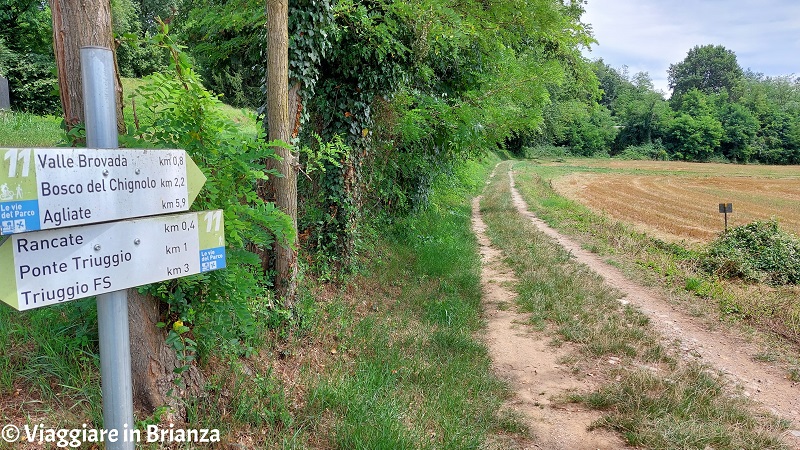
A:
[79,227]
[56,266]
[50,188]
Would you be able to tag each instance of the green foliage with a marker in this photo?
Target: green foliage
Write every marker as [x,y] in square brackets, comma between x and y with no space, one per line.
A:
[358,53]
[323,154]
[31,80]
[642,112]
[185,347]
[222,304]
[410,93]
[153,12]
[124,15]
[324,203]
[413,93]
[311,27]
[26,56]
[694,138]
[545,151]
[740,127]
[759,116]
[591,133]
[695,134]
[227,46]
[775,102]
[654,151]
[612,83]
[137,58]
[136,54]
[757,252]
[26,26]
[709,68]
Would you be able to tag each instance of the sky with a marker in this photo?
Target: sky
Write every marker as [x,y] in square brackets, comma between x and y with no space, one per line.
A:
[649,35]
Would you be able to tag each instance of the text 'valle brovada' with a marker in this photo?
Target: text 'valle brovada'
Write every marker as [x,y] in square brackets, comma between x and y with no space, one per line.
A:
[51,188]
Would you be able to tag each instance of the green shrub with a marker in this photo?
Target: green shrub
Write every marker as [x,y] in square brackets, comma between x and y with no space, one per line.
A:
[653,151]
[222,307]
[545,151]
[757,252]
[31,81]
[137,59]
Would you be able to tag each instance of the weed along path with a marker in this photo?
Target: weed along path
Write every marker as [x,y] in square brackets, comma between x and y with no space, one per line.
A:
[532,366]
[733,356]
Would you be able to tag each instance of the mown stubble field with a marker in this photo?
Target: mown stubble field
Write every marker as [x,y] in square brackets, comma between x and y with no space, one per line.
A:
[678,201]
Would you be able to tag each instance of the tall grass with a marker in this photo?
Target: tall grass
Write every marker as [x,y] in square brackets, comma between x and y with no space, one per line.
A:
[20,129]
[49,362]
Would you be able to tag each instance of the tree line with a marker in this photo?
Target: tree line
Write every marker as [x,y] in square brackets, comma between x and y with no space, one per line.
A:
[717,111]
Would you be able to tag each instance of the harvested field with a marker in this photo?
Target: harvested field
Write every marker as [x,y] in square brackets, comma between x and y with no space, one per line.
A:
[679,201]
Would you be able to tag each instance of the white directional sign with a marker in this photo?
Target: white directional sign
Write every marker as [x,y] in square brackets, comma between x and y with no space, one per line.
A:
[48,188]
[56,266]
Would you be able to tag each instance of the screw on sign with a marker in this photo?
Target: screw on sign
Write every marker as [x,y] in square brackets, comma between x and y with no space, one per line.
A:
[725,208]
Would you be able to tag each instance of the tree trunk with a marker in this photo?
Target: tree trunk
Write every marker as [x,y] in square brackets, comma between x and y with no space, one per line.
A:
[78,24]
[155,383]
[282,190]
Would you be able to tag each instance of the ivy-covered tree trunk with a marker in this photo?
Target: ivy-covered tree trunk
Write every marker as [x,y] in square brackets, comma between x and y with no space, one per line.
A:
[78,24]
[282,190]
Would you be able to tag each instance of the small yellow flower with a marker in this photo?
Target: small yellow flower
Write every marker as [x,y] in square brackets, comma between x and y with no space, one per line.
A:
[177,325]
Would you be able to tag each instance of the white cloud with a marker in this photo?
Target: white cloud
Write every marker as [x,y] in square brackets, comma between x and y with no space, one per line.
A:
[649,35]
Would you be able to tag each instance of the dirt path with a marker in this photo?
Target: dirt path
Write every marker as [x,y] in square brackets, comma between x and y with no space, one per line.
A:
[532,367]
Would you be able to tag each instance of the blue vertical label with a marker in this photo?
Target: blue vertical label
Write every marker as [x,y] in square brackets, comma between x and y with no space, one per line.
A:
[212,259]
[19,216]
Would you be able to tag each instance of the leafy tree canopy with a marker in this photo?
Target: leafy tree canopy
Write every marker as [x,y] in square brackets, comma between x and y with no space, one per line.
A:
[708,68]
[25,26]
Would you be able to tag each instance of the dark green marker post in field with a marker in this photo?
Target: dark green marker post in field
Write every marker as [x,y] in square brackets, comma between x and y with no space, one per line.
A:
[725,208]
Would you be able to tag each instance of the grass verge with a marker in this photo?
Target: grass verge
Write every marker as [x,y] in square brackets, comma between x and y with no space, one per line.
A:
[49,366]
[651,398]
[409,371]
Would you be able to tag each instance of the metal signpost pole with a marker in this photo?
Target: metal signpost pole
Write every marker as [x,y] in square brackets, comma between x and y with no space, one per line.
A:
[97,71]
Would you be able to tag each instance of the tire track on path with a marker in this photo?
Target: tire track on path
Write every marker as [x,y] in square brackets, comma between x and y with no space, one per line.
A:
[526,360]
